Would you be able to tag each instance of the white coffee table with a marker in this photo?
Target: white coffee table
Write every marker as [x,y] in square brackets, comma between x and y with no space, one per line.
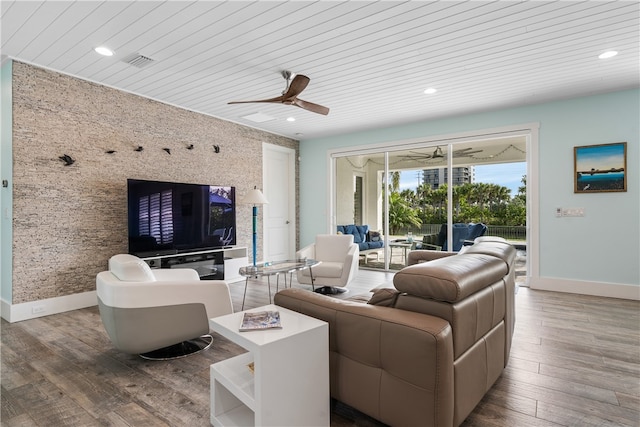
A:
[290,383]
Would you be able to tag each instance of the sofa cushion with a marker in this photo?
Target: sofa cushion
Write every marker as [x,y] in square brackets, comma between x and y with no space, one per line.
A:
[352,229]
[452,278]
[476,230]
[375,245]
[362,230]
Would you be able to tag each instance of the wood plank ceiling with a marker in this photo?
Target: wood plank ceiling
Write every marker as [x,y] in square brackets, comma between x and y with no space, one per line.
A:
[368,61]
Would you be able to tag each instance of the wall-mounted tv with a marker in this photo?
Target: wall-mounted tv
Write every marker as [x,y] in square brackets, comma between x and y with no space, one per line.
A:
[171,217]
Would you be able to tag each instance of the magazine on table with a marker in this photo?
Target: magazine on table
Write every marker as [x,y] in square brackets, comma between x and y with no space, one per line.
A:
[260,320]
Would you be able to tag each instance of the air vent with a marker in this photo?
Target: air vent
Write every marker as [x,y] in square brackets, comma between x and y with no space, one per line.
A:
[138,60]
[258,117]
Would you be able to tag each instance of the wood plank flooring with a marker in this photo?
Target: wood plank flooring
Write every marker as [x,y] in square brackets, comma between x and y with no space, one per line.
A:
[575,361]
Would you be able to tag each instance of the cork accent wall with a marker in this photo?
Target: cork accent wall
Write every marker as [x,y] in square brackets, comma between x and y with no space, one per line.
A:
[68,220]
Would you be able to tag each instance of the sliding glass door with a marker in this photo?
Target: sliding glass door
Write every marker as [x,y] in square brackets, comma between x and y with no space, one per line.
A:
[430,195]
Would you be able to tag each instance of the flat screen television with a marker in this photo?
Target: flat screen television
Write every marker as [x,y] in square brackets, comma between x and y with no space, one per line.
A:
[170,217]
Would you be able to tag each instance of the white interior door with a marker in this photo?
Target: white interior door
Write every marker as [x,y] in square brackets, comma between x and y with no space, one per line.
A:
[280,212]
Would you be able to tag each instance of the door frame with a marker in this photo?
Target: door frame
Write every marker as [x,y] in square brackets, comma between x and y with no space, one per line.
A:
[530,130]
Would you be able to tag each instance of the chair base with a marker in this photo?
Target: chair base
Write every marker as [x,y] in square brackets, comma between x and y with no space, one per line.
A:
[330,290]
[182,349]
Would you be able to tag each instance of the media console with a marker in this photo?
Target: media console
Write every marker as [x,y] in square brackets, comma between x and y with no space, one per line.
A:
[211,264]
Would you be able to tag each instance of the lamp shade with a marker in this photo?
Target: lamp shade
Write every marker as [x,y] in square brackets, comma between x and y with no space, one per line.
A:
[254,197]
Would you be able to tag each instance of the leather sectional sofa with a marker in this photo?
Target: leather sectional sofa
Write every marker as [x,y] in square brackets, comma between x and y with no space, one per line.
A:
[425,352]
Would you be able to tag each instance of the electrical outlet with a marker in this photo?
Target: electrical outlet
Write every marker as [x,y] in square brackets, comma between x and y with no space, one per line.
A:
[37,309]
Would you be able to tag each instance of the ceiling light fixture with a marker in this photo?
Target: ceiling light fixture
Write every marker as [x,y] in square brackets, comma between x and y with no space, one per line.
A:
[291,119]
[430,91]
[105,51]
[608,54]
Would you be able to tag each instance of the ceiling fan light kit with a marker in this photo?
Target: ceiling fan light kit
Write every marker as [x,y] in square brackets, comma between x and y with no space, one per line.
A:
[296,83]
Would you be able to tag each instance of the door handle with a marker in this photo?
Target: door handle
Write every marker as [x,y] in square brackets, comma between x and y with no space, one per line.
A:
[286,222]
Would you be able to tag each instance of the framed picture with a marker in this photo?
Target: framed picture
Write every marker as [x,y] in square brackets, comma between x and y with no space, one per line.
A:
[600,168]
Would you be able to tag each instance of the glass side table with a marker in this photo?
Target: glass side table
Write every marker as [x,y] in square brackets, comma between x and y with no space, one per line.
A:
[275,268]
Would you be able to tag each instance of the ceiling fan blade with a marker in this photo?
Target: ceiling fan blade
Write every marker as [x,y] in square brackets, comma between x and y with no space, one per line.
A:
[298,84]
[276,99]
[311,106]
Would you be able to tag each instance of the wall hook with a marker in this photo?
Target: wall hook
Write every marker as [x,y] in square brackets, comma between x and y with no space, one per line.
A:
[167,150]
[110,151]
[216,148]
[139,148]
[190,147]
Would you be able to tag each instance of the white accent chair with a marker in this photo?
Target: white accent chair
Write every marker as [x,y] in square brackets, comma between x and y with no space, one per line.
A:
[338,257]
[160,313]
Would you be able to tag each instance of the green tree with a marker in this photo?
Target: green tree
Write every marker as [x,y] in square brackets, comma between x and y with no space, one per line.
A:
[401,214]
[394,184]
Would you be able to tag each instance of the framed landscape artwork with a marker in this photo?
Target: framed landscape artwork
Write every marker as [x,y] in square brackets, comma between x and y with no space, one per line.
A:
[600,168]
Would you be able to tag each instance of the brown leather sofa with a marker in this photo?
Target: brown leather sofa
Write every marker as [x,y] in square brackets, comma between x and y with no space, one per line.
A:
[425,352]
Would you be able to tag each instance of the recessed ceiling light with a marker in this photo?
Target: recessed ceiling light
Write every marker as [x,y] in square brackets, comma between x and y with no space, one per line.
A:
[104,51]
[430,91]
[291,119]
[608,54]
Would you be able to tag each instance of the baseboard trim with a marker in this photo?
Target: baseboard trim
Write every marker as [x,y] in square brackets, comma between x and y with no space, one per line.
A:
[46,307]
[601,289]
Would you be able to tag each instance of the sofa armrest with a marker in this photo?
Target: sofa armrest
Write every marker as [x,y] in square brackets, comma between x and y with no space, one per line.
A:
[417,256]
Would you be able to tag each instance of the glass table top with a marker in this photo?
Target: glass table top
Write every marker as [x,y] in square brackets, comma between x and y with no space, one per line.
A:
[276,267]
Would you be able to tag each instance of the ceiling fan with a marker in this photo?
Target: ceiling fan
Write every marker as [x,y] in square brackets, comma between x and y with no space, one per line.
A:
[290,94]
[439,154]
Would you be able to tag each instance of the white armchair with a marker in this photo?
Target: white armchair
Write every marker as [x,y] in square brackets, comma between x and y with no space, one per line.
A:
[339,263]
[160,313]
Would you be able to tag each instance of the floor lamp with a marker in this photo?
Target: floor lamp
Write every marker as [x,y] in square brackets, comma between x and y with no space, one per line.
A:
[255,198]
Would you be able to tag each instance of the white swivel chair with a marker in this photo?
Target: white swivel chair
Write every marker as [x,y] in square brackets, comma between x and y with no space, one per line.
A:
[160,313]
[338,257]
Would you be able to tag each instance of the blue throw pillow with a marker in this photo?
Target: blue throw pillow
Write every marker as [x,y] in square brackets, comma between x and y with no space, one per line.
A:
[374,236]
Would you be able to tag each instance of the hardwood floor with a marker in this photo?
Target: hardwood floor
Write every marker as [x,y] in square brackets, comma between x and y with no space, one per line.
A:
[575,361]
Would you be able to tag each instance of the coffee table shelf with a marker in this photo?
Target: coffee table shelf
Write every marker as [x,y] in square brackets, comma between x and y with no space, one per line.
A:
[285,361]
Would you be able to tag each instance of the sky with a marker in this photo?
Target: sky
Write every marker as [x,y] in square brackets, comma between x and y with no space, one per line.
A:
[600,157]
[507,174]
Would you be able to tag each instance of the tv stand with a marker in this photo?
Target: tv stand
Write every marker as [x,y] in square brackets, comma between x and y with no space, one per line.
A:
[211,264]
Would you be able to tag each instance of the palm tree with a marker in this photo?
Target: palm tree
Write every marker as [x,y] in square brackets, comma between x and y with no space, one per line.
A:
[395,181]
[401,215]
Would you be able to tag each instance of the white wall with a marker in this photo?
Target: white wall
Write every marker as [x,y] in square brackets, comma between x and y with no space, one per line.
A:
[595,254]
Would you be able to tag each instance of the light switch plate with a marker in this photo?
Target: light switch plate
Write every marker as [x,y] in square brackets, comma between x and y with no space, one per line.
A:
[573,212]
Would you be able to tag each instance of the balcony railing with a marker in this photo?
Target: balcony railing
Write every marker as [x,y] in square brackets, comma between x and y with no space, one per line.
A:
[509,232]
